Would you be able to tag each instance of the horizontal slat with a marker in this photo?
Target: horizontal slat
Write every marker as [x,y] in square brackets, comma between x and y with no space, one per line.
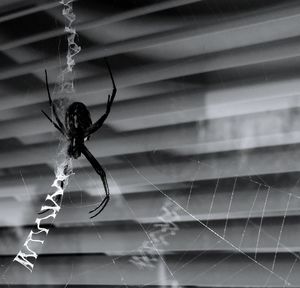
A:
[206,270]
[132,13]
[174,108]
[218,135]
[262,30]
[130,109]
[183,33]
[28,11]
[90,94]
[133,142]
[269,52]
[231,164]
[214,200]
[120,239]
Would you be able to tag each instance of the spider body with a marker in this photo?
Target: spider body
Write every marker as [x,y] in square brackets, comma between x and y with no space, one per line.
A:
[77,121]
[77,128]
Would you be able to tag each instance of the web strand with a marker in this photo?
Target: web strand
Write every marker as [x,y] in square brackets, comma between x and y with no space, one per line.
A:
[211,230]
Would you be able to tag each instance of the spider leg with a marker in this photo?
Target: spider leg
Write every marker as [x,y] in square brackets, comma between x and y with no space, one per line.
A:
[111,77]
[103,203]
[110,99]
[52,105]
[54,124]
[100,171]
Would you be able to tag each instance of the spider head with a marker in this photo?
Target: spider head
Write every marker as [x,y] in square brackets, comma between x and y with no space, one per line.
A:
[78,118]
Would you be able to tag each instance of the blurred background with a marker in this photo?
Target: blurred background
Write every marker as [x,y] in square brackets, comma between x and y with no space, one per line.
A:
[201,148]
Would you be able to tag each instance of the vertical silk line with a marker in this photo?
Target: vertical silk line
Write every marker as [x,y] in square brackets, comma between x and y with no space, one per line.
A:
[52,209]
[27,255]
[67,77]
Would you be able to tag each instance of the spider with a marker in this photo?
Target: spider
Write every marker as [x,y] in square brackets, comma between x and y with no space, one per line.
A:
[78,128]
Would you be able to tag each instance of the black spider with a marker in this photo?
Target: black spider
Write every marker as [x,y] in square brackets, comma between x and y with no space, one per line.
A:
[78,128]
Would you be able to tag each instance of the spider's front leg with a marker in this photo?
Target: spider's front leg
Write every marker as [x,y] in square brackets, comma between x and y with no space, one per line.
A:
[54,124]
[59,125]
[52,105]
[110,99]
[100,171]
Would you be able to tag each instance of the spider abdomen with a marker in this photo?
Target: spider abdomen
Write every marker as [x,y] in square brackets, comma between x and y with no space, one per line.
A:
[78,118]
[77,121]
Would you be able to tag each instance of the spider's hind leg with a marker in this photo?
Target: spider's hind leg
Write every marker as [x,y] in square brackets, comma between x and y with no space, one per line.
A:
[101,206]
[100,171]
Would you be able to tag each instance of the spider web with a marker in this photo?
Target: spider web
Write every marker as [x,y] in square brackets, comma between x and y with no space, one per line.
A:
[218,245]
[237,247]
[246,245]
[150,255]
[153,254]
[226,201]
